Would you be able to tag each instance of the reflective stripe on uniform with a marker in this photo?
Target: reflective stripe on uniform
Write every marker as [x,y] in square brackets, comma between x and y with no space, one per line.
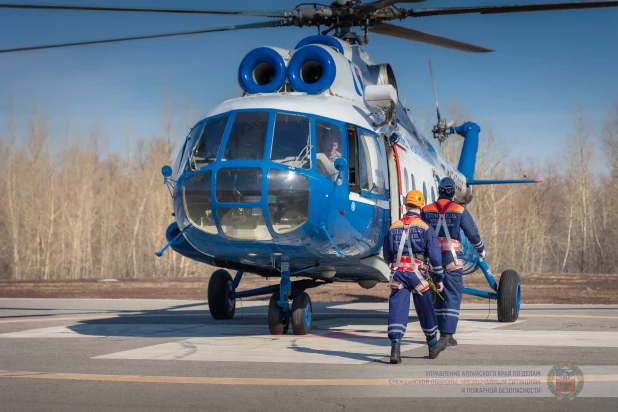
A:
[449,244]
[405,239]
[453,266]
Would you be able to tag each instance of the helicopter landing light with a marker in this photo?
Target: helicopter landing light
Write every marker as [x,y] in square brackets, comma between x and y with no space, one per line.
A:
[252,254]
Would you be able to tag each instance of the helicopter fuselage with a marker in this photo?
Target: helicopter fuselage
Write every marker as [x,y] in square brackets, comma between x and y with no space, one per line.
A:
[312,178]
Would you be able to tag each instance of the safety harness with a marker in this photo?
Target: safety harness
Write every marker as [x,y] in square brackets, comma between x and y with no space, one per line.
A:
[408,263]
[447,243]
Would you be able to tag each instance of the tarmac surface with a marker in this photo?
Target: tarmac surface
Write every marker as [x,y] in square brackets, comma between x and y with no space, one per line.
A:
[163,355]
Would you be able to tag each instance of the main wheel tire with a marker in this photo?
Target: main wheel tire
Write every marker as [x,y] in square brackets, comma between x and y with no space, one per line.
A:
[278,323]
[302,314]
[220,288]
[509,296]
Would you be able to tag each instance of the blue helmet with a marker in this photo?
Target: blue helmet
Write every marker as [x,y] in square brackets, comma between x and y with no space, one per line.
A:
[447,187]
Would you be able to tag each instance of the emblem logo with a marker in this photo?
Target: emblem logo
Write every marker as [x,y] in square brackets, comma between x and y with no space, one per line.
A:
[565,381]
[353,206]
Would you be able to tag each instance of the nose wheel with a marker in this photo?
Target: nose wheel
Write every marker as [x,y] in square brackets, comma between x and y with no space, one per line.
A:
[278,322]
[302,314]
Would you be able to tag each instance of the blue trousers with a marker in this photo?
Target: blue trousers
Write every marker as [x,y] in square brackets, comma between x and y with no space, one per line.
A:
[447,310]
[399,307]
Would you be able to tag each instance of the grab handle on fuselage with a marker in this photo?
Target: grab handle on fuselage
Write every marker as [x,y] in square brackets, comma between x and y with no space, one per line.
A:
[339,252]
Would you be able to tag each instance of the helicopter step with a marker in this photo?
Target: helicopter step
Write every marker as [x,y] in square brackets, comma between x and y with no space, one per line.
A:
[222,297]
[507,292]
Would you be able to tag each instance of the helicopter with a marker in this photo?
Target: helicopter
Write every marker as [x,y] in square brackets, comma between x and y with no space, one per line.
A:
[301,175]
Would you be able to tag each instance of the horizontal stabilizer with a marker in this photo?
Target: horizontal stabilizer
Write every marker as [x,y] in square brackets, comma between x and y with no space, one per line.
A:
[501,182]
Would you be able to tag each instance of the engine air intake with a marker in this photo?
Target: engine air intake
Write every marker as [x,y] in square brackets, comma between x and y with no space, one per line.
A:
[311,70]
[262,71]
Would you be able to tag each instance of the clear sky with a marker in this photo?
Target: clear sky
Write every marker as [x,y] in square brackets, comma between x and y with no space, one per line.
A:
[545,66]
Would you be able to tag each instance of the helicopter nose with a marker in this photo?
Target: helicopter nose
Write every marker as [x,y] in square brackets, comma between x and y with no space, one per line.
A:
[248,203]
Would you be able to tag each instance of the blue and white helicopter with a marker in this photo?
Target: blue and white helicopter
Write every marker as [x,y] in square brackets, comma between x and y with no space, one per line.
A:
[300,177]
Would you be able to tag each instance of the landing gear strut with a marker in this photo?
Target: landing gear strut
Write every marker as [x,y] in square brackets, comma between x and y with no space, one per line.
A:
[222,296]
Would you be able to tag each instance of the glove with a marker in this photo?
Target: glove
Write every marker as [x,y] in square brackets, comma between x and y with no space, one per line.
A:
[483,254]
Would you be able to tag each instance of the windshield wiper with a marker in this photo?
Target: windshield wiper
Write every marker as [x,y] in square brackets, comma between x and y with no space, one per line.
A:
[304,153]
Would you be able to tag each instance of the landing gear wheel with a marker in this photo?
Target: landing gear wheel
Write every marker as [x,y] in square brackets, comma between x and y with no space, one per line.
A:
[302,312]
[220,288]
[278,323]
[509,296]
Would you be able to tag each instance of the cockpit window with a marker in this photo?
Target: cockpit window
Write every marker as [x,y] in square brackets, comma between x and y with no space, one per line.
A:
[247,137]
[328,142]
[207,147]
[291,141]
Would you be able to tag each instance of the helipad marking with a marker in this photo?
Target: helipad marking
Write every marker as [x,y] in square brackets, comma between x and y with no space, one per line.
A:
[542,338]
[330,343]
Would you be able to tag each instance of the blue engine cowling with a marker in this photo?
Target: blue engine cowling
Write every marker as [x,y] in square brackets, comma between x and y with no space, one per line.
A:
[262,70]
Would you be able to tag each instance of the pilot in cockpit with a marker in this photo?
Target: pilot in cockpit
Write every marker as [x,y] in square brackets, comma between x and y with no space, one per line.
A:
[331,146]
[328,152]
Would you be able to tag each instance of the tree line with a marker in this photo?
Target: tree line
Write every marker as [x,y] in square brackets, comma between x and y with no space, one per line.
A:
[69,212]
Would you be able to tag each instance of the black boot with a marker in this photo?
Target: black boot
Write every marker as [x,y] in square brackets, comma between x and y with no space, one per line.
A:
[436,348]
[395,352]
[450,341]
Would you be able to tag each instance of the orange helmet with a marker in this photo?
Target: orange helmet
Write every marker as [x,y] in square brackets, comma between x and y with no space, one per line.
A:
[415,198]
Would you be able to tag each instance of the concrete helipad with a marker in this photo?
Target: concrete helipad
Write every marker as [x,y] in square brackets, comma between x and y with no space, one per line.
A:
[170,355]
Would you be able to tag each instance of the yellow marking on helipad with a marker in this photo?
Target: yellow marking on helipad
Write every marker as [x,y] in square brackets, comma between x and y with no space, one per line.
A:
[54,318]
[133,315]
[199,380]
[335,315]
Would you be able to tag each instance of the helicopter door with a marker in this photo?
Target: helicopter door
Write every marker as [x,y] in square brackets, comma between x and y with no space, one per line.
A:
[373,168]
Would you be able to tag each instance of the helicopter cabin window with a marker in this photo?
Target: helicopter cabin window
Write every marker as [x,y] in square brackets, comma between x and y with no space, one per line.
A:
[198,206]
[405,175]
[371,177]
[189,142]
[353,163]
[288,200]
[413,181]
[291,141]
[328,143]
[247,137]
[207,147]
[424,190]
[433,195]
[239,185]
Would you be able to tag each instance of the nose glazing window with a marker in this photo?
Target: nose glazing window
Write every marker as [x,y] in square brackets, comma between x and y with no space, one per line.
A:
[291,141]
[288,200]
[247,137]
[198,207]
[207,147]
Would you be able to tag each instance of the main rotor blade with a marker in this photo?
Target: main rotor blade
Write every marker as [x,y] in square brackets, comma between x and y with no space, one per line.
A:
[509,9]
[380,4]
[420,36]
[259,13]
[277,23]
[435,95]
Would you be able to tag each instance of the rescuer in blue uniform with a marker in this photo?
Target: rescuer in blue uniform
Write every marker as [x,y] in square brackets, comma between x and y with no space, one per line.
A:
[409,244]
[447,217]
